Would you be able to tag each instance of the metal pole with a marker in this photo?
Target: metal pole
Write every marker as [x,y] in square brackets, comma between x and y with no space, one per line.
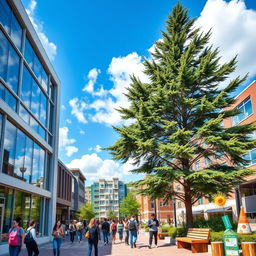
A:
[174,211]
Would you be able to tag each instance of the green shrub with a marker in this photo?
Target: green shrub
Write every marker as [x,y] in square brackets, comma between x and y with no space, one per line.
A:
[181,231]
[146,229]
[172,232]
[143,225]
[165,229]
[218,236]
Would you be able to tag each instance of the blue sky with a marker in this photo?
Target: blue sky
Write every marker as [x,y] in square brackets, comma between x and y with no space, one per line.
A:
[95,45]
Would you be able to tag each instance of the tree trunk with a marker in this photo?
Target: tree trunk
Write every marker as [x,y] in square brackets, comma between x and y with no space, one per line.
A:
[188,205]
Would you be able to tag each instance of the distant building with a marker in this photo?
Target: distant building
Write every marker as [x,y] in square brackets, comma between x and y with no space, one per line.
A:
[107,195]
[87,195]
[78,189]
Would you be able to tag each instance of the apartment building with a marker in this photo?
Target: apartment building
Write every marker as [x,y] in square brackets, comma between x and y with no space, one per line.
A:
[107,195]
[245,194]
[29,126]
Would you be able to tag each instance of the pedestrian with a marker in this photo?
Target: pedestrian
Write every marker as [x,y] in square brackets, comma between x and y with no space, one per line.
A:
[153,225]
[105,227]
[57,234]
[31,240]
[16,237]
[79,229]
[133,230]
[93,237]
[126,231]
[113,230]
[72,231]
[120,230]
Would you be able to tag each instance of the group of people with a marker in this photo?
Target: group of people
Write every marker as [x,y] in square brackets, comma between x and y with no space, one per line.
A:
[126,228]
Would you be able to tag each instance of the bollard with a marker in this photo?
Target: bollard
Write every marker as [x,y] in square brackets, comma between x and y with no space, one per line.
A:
[217,248]
[249,248]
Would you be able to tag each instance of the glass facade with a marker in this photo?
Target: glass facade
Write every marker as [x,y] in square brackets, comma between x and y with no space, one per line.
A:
[23,158]
[15,203]
[37,91]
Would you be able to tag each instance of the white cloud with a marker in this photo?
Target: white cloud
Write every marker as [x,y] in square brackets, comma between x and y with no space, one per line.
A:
[63,107]
[71,150]
[94,167]
[97,148]
[92,76]
[78,108]
[65,142]
[68,121]
[50,47]
[233,31]
[82,132]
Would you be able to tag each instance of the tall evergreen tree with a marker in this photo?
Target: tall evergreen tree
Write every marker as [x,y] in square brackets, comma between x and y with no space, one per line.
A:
[178,118]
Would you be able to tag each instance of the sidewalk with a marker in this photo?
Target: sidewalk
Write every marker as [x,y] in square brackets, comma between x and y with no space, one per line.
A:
[118,249]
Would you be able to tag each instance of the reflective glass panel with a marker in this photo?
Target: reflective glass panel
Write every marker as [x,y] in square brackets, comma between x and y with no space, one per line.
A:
[24,114]
[29,53]
[22,207]
[35,100]
[19,169]
[37,68]
[34,124]
[29,158]
[35,168]
[10,100]
[253,156]
[13,69]
[52,92]
[9,148]
[41,132]
[36,209]
[26,87]
[16,32]
[2,89]
[51,118]
[44,80]
[41,167]
[5,15]
[43,108]
[4,55]
[248,108]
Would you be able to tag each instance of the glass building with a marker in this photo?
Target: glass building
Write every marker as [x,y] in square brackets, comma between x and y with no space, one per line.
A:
[29,114]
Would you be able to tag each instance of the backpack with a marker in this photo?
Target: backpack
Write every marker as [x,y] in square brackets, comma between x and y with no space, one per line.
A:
[72,228]
[14,237]
[132,225]
[28,238]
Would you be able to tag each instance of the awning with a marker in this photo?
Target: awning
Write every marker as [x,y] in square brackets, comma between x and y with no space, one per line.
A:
[225,209]
[198,212]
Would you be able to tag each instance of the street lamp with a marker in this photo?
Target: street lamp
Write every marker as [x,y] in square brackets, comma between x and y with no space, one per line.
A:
[23,170]
[174,211]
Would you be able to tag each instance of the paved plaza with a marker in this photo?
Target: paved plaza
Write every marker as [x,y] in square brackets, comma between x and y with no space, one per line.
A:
[118,249]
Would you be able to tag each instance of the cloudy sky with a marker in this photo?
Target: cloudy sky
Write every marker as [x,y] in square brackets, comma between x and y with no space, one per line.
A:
[96,44]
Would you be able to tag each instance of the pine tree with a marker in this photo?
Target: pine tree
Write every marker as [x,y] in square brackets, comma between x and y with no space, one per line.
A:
[178,118]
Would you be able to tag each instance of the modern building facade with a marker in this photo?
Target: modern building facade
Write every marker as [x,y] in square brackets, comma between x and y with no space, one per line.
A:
[245,194]
[107,195]
[78,190]
[29,124]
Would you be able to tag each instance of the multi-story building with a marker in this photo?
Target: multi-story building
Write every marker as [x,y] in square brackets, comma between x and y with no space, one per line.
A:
[107,195]
[87,195]
[163,210]
[29,124]
[64,193]
[78,189]
[245,194]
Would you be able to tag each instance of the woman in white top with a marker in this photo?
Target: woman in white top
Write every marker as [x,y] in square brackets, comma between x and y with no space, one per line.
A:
[31,241]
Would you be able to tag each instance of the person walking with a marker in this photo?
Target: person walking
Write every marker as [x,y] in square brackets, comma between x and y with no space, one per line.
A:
[153,225]
[16,237]
[126,231]
[105,227]
[31,240]
[92,232]
[79,228]
[120,230]
[57,234]
[113,230]
[72,231]
[133,230]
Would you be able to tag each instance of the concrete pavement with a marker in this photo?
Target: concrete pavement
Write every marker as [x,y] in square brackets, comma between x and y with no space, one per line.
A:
[118,249]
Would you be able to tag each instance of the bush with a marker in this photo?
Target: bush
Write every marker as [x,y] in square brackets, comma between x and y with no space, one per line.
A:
[146,229]
[218,236]
[172,232]
[143,225]
[177,232]
[165,229]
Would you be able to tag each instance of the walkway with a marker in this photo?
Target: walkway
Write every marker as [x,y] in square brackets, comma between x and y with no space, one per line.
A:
[118,249]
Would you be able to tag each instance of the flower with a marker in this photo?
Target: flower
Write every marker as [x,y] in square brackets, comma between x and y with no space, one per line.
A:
[220,200]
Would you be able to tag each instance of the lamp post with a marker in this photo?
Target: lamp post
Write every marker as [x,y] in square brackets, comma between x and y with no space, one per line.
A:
[174,211]
[23,170]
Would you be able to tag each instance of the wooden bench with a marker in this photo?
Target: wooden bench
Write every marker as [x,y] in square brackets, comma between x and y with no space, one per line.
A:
[197,240]
[161,236]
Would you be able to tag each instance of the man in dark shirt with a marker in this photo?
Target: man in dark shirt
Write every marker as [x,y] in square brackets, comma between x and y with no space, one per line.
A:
[105,229]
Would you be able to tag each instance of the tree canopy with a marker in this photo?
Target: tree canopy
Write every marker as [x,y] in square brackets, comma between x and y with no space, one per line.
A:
[111,215]
[130,206]
[177,118]
[87,212]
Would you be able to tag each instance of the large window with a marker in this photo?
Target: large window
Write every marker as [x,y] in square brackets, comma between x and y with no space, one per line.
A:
[23,158]
[251,157]
[10,23]
[246,109]
[9,63]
